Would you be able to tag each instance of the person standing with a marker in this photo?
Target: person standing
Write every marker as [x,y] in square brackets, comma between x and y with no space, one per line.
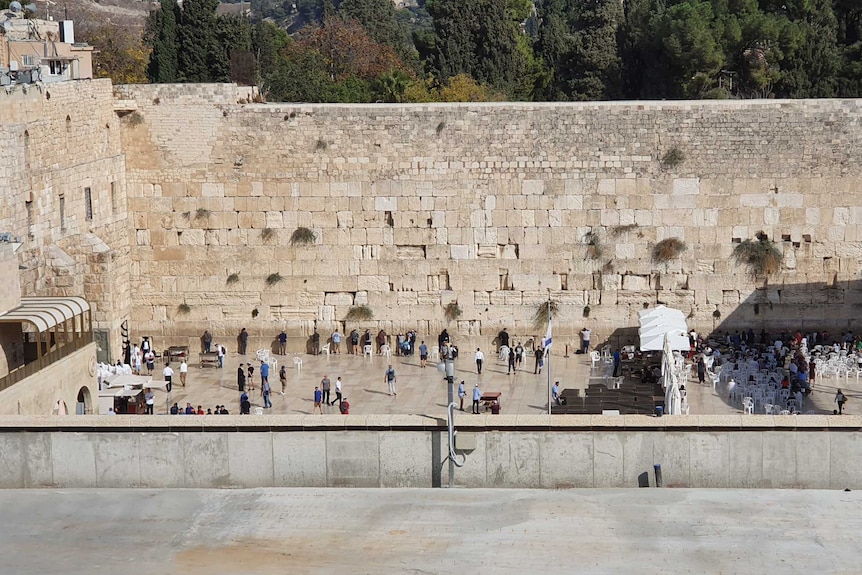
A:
[354,342]
[701,369]
[318,397]
[512,366]
[184,369]
[150,358]
[282,376]
[423,354]
[264,372]
[250,377]
[243,341]
[477,395]
[315,343]
[540,360]
[618,363]
[480,359]
[585,339]
[207,338]
[325,387]
[336,341]
[137,358]
[344,407]
[338,397]
[150,399]
[390,379]
[282,343]
[503,338]
[221,352]
[381,341]
[462,393]
[840,399]
[266,391]
[240,378]
[168,373]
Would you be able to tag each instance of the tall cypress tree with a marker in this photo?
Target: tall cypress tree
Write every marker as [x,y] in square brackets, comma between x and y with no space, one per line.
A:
[198,33]
[161,36]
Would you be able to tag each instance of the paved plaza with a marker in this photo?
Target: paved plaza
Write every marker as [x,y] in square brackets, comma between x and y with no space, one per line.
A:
[423,390]
[423,531]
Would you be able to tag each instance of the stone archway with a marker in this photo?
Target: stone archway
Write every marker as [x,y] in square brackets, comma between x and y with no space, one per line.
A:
[84,405]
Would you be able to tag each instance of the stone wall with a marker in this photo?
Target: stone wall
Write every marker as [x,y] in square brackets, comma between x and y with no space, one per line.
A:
[57,142]
[62,380]
[486,205]
[811,452]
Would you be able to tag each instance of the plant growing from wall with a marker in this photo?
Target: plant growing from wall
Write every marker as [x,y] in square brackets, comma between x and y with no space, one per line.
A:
[761,256]
[232,278]
[452,311]
[667,249]
[302,237]
[136,119]
[320,146]
[273,279]
[359,313]
[586,311]
[440,127]
[186,215]
[202,213]
[254,313]
[594,245]
[267,235]
[184,309]
[544,311]
[672,158]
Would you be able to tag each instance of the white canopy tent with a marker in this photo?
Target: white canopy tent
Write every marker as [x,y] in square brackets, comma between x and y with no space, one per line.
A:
[660,321]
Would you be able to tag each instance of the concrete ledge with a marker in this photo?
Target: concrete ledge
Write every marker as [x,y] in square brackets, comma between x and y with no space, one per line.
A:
[333,422]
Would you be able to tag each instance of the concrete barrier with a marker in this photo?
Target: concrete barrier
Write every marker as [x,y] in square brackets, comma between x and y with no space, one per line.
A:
[818,452]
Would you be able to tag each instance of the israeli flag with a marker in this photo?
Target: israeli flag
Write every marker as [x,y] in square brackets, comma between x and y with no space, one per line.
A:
[546,342]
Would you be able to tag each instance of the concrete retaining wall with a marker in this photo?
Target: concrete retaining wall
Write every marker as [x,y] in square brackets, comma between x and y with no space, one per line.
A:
[817,452]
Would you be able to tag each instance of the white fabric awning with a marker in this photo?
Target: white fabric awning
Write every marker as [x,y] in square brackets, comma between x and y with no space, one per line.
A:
[45,312]
[661,320]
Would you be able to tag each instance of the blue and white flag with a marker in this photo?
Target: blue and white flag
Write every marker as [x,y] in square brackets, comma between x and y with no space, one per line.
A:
[546,342]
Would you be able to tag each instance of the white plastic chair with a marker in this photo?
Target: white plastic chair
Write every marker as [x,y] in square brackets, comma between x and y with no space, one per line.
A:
[748,405]
[595,356]
[258,411]
[273,364]
[386,351]
[262,355]
[435,353]
[297,363]
[325,349]
[367,351]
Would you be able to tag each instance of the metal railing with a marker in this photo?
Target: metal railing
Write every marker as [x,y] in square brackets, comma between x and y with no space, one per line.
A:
[49,358]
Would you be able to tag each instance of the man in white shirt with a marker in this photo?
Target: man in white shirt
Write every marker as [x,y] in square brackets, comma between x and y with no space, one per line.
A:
[338,395]
[169,373]
[150,398]
[184,368]
[480,358]
[585,337]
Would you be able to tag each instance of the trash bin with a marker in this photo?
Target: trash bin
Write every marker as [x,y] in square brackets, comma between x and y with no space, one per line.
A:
[659,411]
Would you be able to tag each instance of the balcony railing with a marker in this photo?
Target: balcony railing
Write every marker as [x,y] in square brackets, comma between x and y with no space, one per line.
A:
[49,358]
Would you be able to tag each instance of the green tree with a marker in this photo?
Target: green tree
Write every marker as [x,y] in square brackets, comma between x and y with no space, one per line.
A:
[578,41]
[199,40]
[233,34]
[120,54]
[161,35]
[378,18]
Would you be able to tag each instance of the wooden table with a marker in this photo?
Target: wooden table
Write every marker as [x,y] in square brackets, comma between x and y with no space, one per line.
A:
[178,352]
[208,359]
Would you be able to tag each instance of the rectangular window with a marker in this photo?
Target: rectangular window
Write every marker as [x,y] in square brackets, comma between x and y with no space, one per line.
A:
[113,197]
[88,204]
[62,212]
[29,205]
[28,60]
[56,67]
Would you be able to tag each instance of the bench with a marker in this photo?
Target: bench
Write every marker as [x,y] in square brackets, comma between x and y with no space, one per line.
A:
[208,359]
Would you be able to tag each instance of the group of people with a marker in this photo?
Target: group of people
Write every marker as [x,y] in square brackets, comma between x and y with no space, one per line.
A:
[245,378]
[323,395]
[189,409]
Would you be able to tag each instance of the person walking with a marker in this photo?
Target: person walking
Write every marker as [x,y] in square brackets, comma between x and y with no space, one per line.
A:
[462,393]
[318,398]
[325,387]
[184,369]
[840,399]
[344,407]
[423,354]
[168,373]
[221,352]
[477,395]
[264,372]
[282,343]
[266,391]
[338,397]
[150,399]
[555,392]
[390,379]
[282,376]
[207,338]
[480,359]
[512,365]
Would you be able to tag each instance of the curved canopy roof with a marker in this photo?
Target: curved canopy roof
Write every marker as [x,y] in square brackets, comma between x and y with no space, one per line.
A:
[45,312]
